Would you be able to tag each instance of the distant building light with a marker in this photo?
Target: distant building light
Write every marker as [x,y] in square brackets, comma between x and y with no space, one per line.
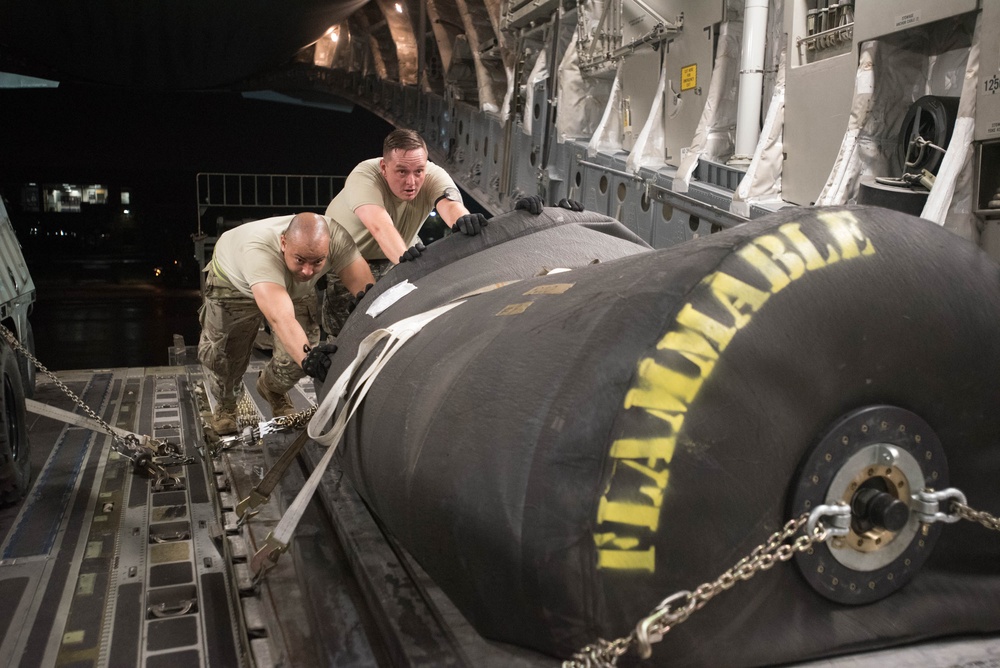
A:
[125,212]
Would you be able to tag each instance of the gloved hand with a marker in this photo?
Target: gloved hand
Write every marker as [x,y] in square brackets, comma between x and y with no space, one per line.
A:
[353,304]
[317,360]
[532,204]
[471,224]
[412,253]
[570,204]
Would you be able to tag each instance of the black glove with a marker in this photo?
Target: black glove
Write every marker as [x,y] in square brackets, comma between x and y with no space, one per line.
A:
[532,204]
[570,204]
[412,253]
[471,224]
[317,360]
[353,304]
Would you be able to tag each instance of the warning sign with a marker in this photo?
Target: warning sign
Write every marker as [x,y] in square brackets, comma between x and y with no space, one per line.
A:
[689,77]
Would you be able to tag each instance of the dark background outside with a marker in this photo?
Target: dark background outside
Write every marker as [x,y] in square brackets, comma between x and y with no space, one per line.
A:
[100,302]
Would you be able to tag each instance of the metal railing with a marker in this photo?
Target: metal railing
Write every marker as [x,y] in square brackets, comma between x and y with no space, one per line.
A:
[267,190]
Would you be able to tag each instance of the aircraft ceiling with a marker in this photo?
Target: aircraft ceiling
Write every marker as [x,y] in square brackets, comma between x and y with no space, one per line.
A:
[161,44]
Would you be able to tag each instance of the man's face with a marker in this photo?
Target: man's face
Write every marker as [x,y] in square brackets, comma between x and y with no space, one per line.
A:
[304,259]
[405,171]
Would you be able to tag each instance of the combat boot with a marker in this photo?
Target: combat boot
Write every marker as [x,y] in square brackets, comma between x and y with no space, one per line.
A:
[224,420]
[281,405]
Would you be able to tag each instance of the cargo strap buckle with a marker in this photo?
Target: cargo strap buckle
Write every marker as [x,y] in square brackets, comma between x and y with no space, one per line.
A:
[250,506]
[266,557]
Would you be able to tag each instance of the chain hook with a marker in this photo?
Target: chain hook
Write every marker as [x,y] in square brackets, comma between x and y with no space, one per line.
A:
[652,629]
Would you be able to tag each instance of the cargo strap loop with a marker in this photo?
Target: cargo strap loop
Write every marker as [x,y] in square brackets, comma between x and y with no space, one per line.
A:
[397,334]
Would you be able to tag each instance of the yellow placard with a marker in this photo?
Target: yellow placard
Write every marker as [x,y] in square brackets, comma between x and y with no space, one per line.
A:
[689,77]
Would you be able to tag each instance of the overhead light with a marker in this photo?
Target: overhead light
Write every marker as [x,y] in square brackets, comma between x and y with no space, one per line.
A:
[399,8]
[334,37]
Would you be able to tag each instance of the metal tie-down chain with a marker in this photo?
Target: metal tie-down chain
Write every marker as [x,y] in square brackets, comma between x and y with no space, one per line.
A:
[148,455]
[250,435]
[677,607]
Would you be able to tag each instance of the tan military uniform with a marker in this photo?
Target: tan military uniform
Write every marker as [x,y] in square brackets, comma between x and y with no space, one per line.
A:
[244,256]
[366,185]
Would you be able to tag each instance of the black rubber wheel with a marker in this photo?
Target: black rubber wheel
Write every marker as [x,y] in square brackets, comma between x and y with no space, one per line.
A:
[27,367]
[15,450]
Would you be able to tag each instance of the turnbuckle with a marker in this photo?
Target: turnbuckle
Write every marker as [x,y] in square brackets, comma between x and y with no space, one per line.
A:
[926,505]
[246,438]
[250,435]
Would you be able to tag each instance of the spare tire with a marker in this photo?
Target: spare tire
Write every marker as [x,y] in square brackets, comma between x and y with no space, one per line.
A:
[15,449]
[561,453]
[931,118]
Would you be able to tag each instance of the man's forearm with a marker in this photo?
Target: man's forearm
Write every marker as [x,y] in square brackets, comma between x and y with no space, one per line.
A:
[378,223]
[292,337]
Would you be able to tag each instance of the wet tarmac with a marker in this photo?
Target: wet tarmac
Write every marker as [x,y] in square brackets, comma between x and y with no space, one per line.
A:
[101,324]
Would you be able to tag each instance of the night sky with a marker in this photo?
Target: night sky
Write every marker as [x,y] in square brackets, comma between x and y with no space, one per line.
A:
[153,143]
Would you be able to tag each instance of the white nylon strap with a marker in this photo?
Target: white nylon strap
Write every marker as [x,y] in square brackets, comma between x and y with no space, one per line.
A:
[398,333]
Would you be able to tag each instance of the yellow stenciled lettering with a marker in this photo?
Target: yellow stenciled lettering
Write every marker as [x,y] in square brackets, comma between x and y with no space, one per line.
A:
[655,494]
[665,393]
[632,560]
[688,340]
[625,512]
[737,296]
[662,388]
[675,420]
[660,478]
[708,327]
[808,251]
[614,540]
[846,231]
[760,261]
[793,263]
[651,449]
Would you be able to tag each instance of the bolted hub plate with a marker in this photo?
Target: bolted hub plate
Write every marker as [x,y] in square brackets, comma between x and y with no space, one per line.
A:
[873,459]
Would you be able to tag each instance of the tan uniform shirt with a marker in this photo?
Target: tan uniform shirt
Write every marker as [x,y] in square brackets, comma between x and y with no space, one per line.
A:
[366,185]
[251,254]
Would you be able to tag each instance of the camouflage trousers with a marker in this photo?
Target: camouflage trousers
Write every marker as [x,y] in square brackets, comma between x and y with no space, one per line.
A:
[229,325]
[337,298]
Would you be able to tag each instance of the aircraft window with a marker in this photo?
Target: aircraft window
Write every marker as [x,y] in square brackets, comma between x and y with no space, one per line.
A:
[621,192]
[694,223]
[604,184]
